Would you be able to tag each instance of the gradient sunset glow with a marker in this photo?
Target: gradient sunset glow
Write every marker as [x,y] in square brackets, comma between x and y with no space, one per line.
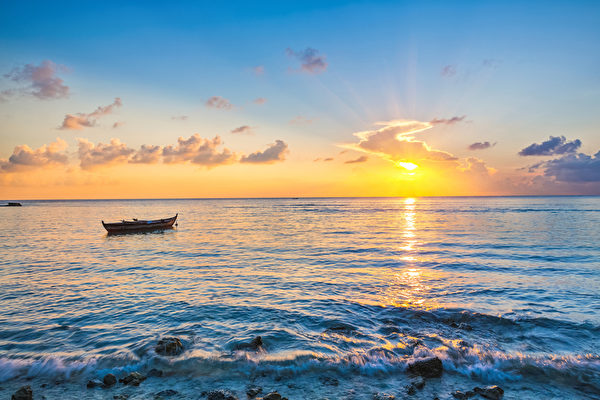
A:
[249,100]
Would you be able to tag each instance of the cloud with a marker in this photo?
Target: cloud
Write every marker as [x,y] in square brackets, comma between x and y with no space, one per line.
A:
[480,146]
[574,168]
[147,154]
[244,129]
[260,101]
[395,142]
[118,124]
[179,117]
[447,121]
[91,155]
[310,60]
[219,102]
[259,70]
[476,166]
[81,121]
[198,151]
[323,159]
[300,120]
[554,146]
[360,159]
[41,80]
[23,157]
[448,71]
[275,152]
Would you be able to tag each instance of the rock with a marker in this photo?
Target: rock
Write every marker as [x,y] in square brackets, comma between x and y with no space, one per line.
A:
[219,395]
[133,379]
[428,368]
[156,373]
[272,396]
[109,379]
[121,396]
[253,391]
[24,393]
[93,383]
[383,396]
[329,380]
[165,393]
[419,383]
[490,392]
[169,346]
[253,345]
[410,390]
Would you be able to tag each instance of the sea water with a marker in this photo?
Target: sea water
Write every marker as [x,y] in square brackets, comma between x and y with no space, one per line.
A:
[345,293]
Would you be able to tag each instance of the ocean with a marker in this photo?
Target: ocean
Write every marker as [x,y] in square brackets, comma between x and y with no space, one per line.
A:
[345,294]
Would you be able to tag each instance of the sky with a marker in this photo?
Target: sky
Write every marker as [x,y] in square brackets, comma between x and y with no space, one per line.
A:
[292,99]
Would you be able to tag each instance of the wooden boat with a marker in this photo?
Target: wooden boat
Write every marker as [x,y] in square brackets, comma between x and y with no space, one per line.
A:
[137,225]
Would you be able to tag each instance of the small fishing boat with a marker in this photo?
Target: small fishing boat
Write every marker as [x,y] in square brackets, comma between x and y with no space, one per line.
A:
[137,225]
[12,205]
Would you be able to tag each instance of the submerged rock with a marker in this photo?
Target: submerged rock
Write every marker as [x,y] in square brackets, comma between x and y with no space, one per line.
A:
[273,396]
[169,346]
[383,396]
[419,383]
[121,396]
[329,380]
[462,396]
[109,379]
[253,345]
[156,373]
[165,393]
[490,392]
[133,379]
[93,383]
[253,391]
[24,393]
[428,368]
[219,395]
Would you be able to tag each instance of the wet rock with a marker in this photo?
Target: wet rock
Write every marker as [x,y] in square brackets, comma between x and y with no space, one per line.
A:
[490,392]
[411,390]
[461,395]
[273,396]
[383,396]
[253,345]
[24,393]
[165,393]
[133,379]
[154,373]
[169,346]
[329,381]
[219,395]
[94,383]
[253,391]
[419,383]
[121,396]
[427,368]
[109,379]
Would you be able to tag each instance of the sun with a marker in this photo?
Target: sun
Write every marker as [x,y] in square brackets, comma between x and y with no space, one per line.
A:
[407,165]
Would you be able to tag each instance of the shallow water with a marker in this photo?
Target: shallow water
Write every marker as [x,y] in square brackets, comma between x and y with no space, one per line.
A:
[505,291]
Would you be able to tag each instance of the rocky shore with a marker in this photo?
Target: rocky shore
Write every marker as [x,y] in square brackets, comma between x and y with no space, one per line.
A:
[418,374]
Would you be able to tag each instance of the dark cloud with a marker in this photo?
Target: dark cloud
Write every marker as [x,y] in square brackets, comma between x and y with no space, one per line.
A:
[574,168]
[244,129]
[91,155]
[147,154]
[275,152]
[23,157]
[447,121]
[219,102]
[448,70]
[80,121]
[310,60]
[260,101]
[360,159]
[41,80]
[556,145]
[480,145]
[198,150]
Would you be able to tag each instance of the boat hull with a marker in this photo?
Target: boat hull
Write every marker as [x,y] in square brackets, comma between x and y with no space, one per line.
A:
[137,226]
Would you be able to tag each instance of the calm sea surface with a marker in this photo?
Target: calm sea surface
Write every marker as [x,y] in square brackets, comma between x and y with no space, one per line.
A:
[343,292]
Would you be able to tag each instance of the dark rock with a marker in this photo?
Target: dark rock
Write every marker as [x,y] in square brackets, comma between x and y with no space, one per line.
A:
[329,380]
[410,390]
[169,346]
[253,391]
[94,383]
[156,373]
[253,345]
[219,395]
[121,396]
[133,379]
[109,379]
[419,383]
[383,396]
[272,396]
[459,395]
[165,393]
[24,393]
[490,392]
[428,368]
[465,326]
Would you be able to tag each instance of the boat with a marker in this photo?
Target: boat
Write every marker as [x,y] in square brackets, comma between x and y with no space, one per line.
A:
[12,205]
[136,225]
